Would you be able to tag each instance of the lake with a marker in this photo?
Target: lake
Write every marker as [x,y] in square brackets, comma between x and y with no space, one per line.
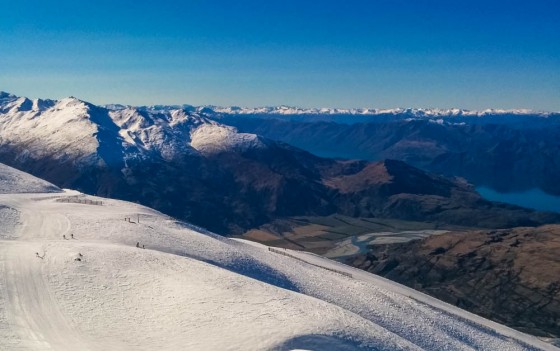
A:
[534,198]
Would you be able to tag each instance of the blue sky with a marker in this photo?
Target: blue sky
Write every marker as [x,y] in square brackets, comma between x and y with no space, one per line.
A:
[377,53]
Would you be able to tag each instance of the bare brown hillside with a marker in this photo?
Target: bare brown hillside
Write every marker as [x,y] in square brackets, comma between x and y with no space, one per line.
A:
[511,276]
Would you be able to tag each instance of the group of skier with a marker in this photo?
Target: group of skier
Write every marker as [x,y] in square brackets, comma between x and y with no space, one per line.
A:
[79,258]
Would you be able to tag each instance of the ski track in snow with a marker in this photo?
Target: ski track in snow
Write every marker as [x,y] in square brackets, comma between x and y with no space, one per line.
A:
[194,290]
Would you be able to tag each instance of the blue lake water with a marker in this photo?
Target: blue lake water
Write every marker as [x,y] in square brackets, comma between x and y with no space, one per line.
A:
[534,198]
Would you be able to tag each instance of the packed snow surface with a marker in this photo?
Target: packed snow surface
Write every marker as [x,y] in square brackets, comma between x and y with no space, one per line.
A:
[73,278]
[14,181]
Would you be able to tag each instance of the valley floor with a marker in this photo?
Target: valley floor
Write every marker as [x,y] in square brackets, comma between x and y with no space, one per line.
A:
[338,237]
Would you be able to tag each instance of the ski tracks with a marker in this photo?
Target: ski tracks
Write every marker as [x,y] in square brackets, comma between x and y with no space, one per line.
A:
[26,300]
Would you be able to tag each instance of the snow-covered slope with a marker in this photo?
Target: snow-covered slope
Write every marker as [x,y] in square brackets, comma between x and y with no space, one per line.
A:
[62,128]
[14,181]
[73,279]
[215,138]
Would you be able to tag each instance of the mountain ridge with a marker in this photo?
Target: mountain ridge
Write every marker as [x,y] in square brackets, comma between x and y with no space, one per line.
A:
[190,165]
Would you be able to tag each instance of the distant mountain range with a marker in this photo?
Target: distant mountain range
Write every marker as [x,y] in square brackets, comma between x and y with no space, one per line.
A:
[504,151]
[292,110]
[190,164]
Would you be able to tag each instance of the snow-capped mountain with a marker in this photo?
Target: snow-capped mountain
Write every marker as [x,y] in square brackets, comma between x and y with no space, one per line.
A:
[87,133]
[59,127]
[120,276]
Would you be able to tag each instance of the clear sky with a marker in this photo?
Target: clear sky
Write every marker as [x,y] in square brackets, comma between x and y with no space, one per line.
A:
[371,53]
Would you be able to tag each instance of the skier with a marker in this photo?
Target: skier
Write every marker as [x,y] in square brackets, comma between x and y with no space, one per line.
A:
[72,235]
[64,236]
[137,244]
[143,246]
